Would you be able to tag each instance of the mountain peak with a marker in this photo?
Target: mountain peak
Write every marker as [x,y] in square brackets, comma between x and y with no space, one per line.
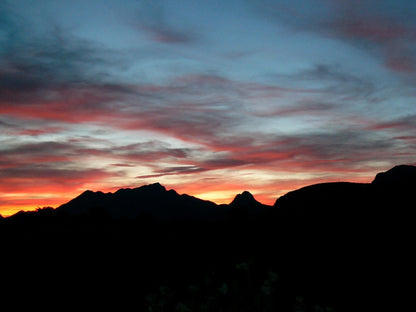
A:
[244,199]
[155,187]
[398,175]
[151,199]
[87,192]
[90,194]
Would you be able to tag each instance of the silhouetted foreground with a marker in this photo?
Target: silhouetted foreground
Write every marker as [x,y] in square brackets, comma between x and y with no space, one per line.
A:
[326,247]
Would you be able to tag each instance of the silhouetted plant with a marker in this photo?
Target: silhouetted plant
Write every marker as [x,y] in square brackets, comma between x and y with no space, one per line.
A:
[299,305]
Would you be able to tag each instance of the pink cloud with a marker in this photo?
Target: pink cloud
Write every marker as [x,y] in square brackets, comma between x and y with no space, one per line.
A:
[39,131]
[64,104]
[373,29]
[168,35]
[405,123]
[402,63]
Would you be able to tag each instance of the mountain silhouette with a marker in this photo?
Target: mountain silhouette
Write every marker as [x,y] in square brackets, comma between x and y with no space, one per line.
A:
[153,200]
[390,193]
[337,199]
[245,199]
[245,205]
[324,247]
[398,176]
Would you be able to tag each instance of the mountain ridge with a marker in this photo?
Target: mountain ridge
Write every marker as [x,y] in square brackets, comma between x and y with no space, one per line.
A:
[326,245]
[390,192]
[397,176]
[154,199]
[166,205]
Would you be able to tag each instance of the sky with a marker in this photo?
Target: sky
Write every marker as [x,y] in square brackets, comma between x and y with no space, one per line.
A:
[209,98]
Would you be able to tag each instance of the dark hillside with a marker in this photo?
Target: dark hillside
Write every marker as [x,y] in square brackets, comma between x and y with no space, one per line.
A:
[326,247]
[153,200]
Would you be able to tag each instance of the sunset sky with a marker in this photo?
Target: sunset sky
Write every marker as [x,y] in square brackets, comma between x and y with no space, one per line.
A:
[207,97]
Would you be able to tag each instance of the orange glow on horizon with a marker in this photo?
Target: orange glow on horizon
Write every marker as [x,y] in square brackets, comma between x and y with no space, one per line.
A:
[219,193]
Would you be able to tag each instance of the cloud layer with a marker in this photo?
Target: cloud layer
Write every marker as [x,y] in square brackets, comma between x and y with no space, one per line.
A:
[163,100]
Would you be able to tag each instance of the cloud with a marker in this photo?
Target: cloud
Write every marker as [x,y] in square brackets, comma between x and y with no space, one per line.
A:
[14,127]
[52,60]
[184,107]
[30,177]
[335,75]
[383,28]
[177,170]
[337,151]
[164,34]
[65,153]
[50,67]
[50,172]
[406,123]
[6,124]
[54,85]
[401,58]
[331,89]
[194,108]
[302,109]
[371,21]
[390,29]
[17,155]
[56,79]
[334,152]
[152,19]
[211,111]
[147,152]
[123,165]
[64,104]
[38,131]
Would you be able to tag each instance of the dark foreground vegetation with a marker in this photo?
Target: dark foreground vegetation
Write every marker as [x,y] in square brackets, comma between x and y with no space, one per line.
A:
[329,247]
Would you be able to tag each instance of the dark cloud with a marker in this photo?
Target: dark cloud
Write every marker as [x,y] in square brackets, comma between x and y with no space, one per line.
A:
[67,103]
[333,151]
[336,82]
[349,86]
[62,163]
[329,73]
[40,65]
[123,165]
[167,35]
[8,22]
[67,153]
[44,178]
[51,172]
[149,151]
[406,123]
[400,62]
[151,19]
[186,107]
[305,108]
[177,170]
[370,20]
[52,60]
[221,162]
[6,124]
[39,147]
[374,21]
[348,145]
[337,151]
[38,131]
[385,28]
